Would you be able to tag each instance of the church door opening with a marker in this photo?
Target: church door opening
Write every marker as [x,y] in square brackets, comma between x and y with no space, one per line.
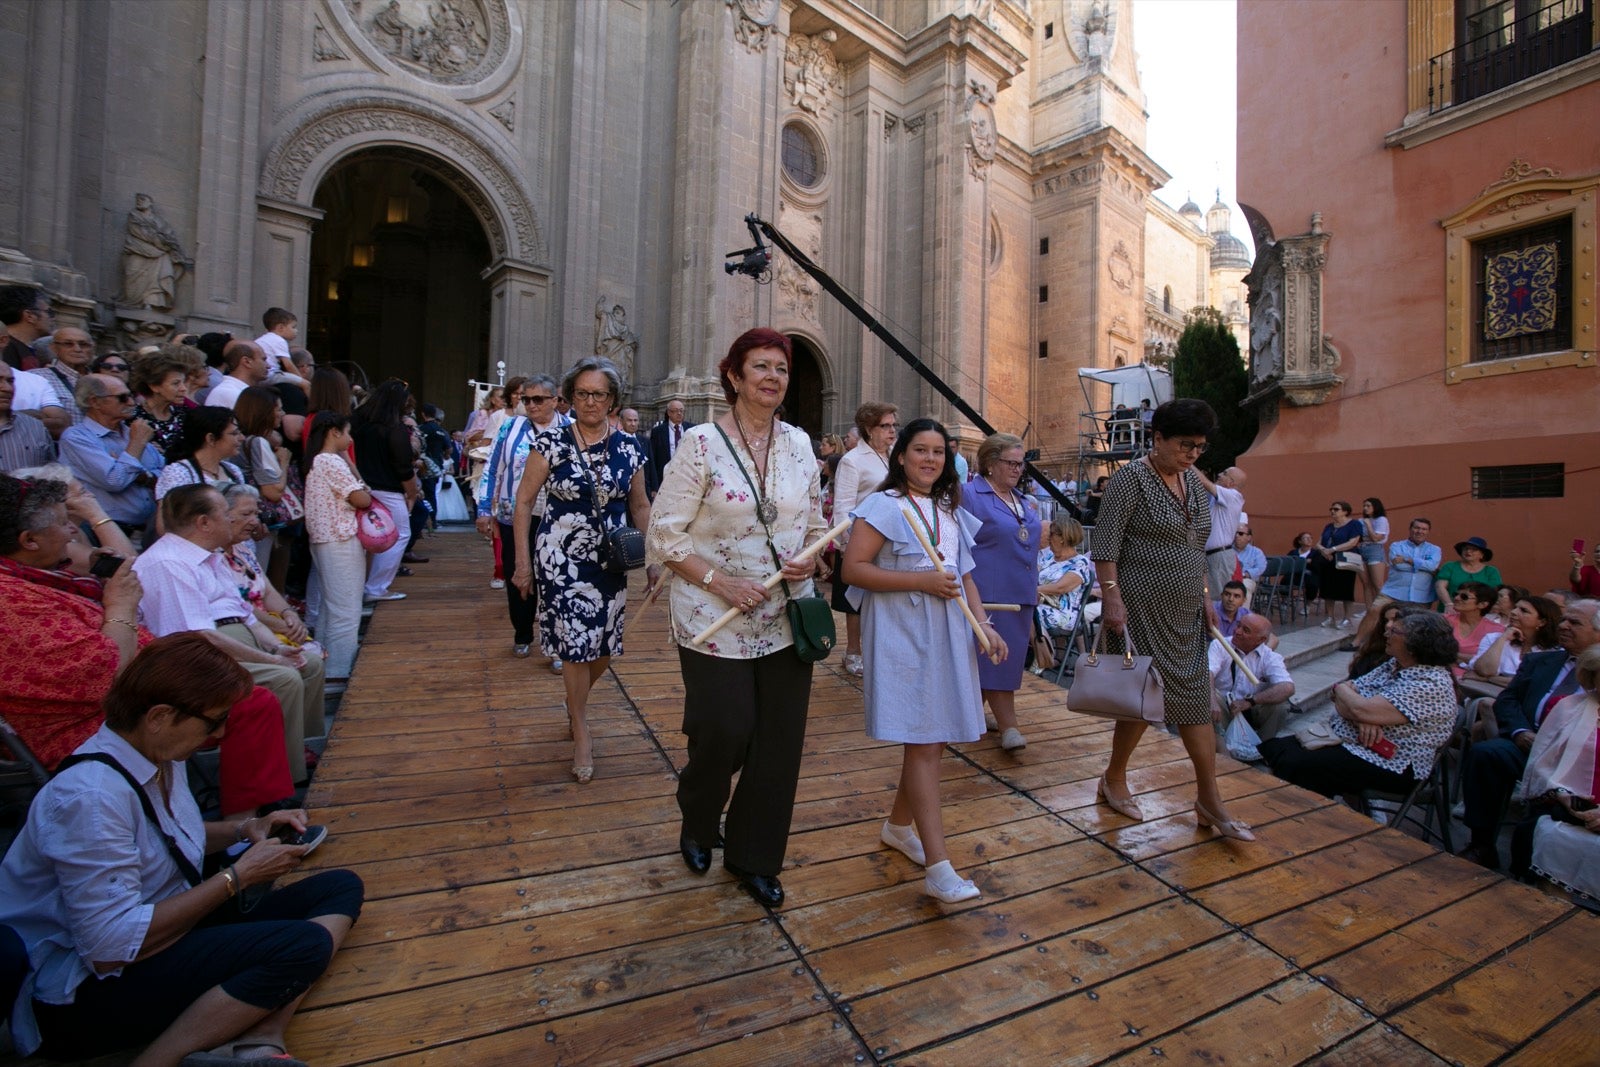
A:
[803,405]
[396,287]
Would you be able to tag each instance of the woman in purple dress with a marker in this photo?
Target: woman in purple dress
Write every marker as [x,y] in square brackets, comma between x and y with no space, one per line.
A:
[1006,552]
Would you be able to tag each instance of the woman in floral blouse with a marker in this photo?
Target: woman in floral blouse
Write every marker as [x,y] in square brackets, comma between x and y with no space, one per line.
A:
[732,487]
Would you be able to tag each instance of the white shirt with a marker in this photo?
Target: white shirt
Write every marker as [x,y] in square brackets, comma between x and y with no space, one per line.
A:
[186,587]
[225,394]
[1226,508]
[277,353]
[860,472]
[1230,680]
[33,393]
[81,882]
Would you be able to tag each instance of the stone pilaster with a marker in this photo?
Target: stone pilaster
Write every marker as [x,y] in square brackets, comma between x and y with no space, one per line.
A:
[519,314]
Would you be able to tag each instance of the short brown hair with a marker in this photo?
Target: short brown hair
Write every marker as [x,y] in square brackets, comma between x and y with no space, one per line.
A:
[184,670]
[993,447]
[868,414]
[256,409]
[149,368]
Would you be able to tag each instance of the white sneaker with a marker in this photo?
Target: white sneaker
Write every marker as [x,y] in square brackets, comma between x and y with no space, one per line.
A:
[1358,616]
[1327,624]
[904,839]
[943,883]
[498,583]
[853,664]
[1344,624]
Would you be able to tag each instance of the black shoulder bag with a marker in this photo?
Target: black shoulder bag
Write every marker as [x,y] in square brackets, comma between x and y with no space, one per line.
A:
[622,549]
[810,617]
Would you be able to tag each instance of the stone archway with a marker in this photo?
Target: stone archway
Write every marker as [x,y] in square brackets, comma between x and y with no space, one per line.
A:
[457,149]
[810,394]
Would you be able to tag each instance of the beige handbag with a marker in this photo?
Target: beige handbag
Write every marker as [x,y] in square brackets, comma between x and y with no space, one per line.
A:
[1124,687]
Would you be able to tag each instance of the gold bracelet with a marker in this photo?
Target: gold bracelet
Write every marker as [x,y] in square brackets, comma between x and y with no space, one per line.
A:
[124,622]
[102,522]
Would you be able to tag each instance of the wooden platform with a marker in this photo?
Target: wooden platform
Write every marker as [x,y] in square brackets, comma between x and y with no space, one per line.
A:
[516,917]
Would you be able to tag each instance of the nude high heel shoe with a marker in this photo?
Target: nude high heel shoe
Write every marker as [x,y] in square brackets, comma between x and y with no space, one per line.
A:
[1233,828]
[1129,807]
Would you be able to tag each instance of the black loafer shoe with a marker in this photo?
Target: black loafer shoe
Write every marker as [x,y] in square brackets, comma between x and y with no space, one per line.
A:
[696,857]
[765,888]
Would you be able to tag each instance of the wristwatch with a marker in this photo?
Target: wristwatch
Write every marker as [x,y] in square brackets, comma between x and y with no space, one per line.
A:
[705,579]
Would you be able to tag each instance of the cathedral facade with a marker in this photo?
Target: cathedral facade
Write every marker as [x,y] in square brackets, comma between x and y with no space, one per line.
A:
[437,187]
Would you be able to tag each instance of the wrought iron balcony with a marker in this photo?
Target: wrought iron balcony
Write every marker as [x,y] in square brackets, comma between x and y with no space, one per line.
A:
[1517,42]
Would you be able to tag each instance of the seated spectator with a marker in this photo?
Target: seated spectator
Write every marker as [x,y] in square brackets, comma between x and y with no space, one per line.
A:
[1471,622]
[1409,702]
[1263,703]
[1304,547]
[1252,561]
[160,380]
[1373,650]
[189,586]
[1230,609]
[204,452]
[131,945]
[24,441]
[1532,629]
[112,459]
[1585,577]
[1492,767]
[1064,580]
[271,609]
[1559,838]
[1093,498]
[1505,598]
[80,633]
[1473,566]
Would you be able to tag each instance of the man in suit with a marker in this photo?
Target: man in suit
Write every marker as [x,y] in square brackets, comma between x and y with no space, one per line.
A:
[628,423]
[665,437]
[1492,767]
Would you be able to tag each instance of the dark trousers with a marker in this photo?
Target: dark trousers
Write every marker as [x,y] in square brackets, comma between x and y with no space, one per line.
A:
[266,957]
[1522,836]
[524,609]
[745,717]
[1334,771]
[1488,776]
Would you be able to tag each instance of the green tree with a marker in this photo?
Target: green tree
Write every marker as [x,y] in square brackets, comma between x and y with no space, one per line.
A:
[1207,367]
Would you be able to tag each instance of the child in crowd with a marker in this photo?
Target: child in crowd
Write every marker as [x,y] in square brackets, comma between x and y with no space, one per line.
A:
[922,670]
[282,327]
[333,494]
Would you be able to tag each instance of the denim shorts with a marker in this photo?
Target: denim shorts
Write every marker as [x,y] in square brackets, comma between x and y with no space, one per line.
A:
[1371,552]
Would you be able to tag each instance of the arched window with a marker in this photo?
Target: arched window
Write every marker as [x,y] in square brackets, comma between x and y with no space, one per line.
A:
[1166,300]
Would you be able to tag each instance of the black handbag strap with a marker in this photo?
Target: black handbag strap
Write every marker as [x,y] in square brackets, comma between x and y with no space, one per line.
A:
[776,560]
[594,479]
[190,874]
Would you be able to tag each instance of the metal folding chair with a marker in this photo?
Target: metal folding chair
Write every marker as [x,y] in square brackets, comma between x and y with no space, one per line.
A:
[1431,795]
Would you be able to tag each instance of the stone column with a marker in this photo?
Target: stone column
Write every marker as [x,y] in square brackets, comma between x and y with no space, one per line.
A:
[519,311]
[282,262]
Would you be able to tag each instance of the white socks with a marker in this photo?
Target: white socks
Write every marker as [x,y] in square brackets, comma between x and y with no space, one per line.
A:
[943,883]
[904,839]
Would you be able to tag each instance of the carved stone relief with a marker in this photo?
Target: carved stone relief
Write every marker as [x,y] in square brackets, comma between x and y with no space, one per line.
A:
[811,73]
[915,123]
[506,114]
[323,46]
[1120,266]
[453,42]
[797,289]
[889,123]
[1290,355]
[753,21]
[982,140]
[1092,29]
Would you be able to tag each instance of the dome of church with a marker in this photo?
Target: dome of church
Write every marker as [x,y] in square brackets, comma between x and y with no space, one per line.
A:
[1191,211]
[1229,251]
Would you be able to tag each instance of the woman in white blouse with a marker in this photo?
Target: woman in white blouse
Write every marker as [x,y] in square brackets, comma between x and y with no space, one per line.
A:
[739,492]
[858,476]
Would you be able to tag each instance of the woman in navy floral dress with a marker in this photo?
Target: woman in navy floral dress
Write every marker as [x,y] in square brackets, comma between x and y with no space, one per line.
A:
[581,604]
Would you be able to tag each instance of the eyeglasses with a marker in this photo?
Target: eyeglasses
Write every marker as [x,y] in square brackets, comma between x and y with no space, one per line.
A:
[1013,464]
[887,426]
[590,396]
[530,399]
[1199,448]
[1463,596]
[115,366]
[212,725]
[72,344]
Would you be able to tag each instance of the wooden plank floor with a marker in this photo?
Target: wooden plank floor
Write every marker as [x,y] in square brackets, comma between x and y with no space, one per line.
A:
[516,917]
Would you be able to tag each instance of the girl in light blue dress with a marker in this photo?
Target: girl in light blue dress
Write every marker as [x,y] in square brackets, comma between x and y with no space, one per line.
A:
[922,674]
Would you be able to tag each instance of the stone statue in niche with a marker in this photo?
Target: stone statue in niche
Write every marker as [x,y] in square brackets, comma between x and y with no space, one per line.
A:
[1266,329]
[814,74]
[613,340]
[982,138]
[152,259]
